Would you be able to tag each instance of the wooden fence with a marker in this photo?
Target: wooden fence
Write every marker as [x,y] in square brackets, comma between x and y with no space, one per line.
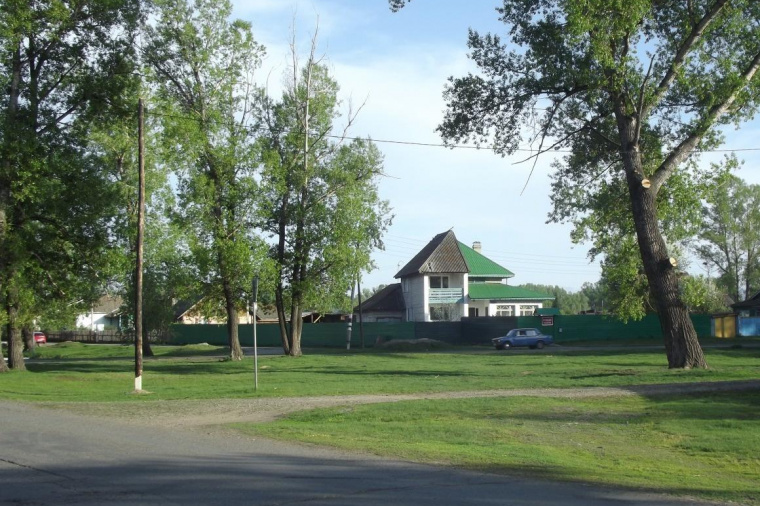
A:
[88,336]
[103,336]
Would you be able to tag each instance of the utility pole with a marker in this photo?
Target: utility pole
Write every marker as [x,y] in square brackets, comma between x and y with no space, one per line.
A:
[254,304]
[361,316]
[139,245]
[350,317]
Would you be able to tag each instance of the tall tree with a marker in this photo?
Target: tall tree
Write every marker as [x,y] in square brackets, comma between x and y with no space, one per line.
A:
[63,67]
[203,66]
[633,89]
[320,199]
[730,235]
[165,255]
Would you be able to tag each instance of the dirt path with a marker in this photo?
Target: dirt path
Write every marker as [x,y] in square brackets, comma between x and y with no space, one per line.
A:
[198,413]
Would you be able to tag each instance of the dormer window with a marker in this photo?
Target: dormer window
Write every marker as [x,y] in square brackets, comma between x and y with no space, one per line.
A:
[439,281]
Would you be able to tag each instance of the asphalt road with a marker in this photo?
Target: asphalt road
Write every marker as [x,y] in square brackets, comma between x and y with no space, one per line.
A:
[57,458]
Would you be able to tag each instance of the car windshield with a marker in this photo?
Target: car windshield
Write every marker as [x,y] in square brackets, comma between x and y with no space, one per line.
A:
[512,333]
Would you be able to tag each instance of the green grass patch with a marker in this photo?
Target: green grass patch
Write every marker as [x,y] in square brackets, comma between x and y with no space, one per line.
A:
[706,446]
[76,372]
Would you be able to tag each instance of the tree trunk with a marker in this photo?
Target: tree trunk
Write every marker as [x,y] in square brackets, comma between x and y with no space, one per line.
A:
[681,344]
[282,324]
[280,289]
[27,333]
[147,351]
[3,365]
[8,155]
[296,325]
[12,332]
[236,352]
[361,313]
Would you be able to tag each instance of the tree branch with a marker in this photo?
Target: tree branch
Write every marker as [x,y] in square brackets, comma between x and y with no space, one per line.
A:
[687,45]
[684,149]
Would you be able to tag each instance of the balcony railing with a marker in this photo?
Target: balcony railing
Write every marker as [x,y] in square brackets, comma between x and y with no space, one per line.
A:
[446,295]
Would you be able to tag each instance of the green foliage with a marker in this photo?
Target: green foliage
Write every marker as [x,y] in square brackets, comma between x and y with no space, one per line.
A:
[202,66]
[66,69]
[702,296]
[567,302]
[730,234]
[625,281]
[632,89]
[319,198]
[596,293]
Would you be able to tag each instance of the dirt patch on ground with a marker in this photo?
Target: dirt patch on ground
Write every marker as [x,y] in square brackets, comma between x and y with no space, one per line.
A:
[198,413]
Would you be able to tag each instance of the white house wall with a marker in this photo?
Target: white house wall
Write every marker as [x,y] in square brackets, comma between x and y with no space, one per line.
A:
[417,294]
[492,307]
[481,306]
[93,321]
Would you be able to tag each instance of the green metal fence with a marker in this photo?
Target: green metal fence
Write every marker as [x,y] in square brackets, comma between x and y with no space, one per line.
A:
[331,335]
[569,328]
[470,331]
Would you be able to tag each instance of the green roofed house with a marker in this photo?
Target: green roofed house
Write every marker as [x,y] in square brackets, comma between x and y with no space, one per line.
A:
[447,280]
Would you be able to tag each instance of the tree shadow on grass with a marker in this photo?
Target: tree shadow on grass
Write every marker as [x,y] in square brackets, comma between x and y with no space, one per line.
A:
[354,372]
[209,366]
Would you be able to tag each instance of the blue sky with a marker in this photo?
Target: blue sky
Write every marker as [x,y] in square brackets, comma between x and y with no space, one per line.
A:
[399,64]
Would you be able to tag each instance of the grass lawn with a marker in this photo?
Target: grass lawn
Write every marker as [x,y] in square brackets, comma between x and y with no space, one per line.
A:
[706,447]
[78,372]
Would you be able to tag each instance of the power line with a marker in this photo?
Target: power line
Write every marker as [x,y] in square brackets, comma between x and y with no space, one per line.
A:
[418,243]
[477,147]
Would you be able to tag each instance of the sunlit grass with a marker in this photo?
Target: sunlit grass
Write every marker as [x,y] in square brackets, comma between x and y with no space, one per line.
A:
[76,372]
[706,446]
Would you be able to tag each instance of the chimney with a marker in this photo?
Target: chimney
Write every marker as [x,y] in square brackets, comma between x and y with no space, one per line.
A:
[476,246]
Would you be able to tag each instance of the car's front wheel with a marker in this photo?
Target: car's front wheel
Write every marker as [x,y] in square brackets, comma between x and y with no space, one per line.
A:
[540,345]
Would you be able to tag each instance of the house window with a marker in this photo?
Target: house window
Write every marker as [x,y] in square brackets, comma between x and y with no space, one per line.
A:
[443,313]
[439,281]
[473,312]
[527,310]
[504,310]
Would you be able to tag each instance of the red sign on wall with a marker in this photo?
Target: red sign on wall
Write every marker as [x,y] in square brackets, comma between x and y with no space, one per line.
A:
[547,321]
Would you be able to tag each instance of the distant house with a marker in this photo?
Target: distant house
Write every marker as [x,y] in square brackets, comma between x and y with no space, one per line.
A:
[189,313]
[447,280]
[104,314]
[749,307]
[387,305]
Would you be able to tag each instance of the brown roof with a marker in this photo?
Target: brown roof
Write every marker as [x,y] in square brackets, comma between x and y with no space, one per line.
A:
[753,301]
[441,254]
[107,304]
[390,298]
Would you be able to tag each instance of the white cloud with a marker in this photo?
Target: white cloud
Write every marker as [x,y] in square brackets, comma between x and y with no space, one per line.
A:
[431,189]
